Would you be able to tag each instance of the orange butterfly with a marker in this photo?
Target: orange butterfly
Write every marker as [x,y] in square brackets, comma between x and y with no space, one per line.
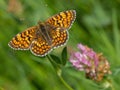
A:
[46,36]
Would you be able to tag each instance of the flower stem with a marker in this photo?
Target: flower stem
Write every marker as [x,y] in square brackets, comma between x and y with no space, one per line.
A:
[58,71]
[66,85]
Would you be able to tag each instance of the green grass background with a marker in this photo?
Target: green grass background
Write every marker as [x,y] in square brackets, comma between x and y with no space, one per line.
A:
[96,25]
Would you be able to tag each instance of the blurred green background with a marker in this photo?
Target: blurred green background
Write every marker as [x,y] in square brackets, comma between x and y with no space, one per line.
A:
[96,25]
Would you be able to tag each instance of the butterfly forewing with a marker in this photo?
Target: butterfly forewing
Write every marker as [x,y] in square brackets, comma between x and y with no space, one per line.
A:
[63,19]
[22,41]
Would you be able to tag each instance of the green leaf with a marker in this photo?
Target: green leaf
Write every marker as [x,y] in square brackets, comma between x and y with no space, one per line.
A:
[64,56]
[54,64]
[56,59]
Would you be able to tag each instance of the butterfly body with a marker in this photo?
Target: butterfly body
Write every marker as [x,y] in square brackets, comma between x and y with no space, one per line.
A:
[46,36]
[44,31]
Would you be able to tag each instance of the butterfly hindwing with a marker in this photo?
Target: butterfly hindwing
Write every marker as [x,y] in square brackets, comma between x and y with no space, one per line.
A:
[40,47]
[59,37]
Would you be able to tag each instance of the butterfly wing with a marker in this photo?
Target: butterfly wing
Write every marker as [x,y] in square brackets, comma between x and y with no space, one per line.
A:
[59,37]
[63,19]
[59,25]
[40,47]
[22,41]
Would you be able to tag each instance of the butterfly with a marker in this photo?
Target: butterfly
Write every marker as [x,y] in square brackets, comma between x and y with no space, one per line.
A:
[46,36]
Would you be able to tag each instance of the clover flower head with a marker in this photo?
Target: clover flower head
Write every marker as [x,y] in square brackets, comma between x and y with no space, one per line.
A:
[94,64]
